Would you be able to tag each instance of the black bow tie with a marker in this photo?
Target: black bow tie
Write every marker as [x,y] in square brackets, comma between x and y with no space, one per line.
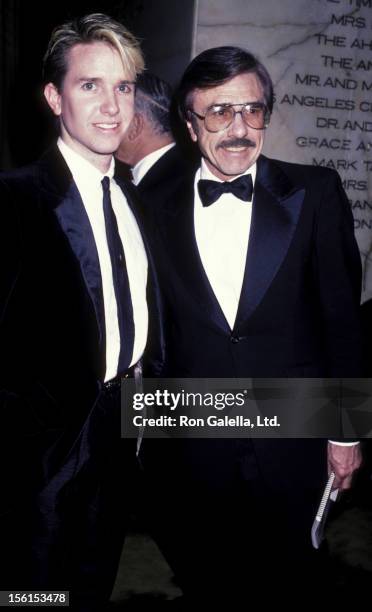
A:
[210,191]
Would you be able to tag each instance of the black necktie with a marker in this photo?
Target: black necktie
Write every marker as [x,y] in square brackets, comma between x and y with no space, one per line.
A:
[210,191]
[120,279]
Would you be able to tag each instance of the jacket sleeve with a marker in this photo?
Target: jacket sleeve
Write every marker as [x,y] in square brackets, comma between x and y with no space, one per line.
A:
[338,273]
[25,405]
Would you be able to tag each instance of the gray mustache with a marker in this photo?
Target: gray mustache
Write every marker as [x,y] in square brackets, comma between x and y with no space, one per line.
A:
[237,142]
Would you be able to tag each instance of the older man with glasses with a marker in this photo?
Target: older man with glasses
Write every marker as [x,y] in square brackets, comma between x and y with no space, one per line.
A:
[260,275]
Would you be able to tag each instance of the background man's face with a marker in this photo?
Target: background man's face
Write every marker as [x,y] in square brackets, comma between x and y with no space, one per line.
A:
[95,103]
[233,150]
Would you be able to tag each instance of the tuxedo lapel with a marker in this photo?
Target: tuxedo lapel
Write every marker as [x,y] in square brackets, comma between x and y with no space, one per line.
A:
[275,213]
[63,197]
[183,253]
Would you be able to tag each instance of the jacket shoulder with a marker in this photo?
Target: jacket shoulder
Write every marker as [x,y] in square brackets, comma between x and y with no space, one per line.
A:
[305,173]
[21,179]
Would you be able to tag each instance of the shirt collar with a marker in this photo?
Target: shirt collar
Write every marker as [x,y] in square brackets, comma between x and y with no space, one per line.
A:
[144,165]
[82,170]
[205,173]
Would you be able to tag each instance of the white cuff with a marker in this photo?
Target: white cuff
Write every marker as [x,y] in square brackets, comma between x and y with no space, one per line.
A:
[344,443]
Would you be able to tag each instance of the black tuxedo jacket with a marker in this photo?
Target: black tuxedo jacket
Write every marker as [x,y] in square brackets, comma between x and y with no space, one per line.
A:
[297,317]
[298,313]
[52,337]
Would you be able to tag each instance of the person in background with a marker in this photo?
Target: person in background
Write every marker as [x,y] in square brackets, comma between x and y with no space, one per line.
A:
[157,163]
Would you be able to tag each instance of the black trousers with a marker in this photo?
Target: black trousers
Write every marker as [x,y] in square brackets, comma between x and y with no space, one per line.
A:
[68,534]
[234,517]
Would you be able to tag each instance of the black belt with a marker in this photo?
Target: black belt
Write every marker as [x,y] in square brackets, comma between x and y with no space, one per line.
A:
[112,388]
[115,383]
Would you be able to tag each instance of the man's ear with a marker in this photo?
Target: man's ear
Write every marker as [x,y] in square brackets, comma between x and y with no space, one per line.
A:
[53,97]
[192,131]
[135,127]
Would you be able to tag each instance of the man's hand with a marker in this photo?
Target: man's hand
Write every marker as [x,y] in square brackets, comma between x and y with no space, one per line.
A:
[343,461]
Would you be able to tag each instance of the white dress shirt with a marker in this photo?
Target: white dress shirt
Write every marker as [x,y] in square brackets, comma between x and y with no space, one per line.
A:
[222,233]
[144,165]
[88,181]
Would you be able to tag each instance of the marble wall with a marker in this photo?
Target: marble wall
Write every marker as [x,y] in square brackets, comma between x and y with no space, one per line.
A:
[319,53]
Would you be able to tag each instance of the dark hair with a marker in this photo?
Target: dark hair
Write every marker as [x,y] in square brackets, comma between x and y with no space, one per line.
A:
[214,67]
[96,27]
[153,99]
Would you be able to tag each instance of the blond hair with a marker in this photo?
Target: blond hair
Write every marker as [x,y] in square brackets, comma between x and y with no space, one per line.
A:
[96,27]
